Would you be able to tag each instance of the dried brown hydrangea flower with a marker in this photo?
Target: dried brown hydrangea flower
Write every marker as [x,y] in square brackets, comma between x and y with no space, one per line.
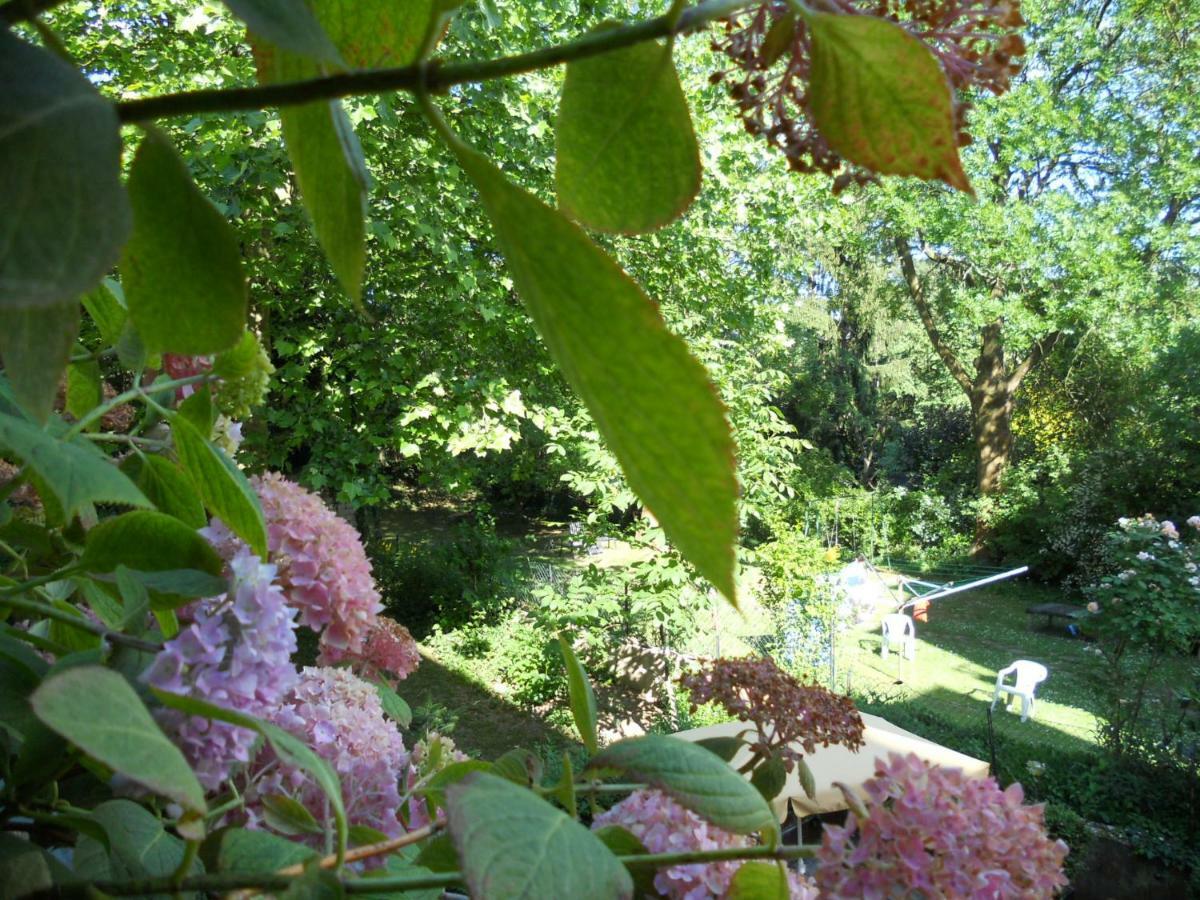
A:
[770,47]
[787,714]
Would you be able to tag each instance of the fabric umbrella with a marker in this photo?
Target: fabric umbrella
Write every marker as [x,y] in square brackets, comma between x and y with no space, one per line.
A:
[838,764]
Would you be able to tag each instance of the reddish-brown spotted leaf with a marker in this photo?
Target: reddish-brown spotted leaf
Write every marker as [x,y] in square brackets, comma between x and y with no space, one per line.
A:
[881,100]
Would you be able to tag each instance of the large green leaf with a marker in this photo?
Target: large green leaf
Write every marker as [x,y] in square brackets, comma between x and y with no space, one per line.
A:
[329,167]
[692,775]
[138,846]
[35,345]
[579,691]
[150,541]
[243,850]
[182,267]
[97,710]
[223,487]
[84,391]
[78,475]
[880,98]
[759,881]
[653,401]
[289,24]
[25,868]
[513,844]
[63,213]
[106,305]
[374,33]
[168,487]
[627,159]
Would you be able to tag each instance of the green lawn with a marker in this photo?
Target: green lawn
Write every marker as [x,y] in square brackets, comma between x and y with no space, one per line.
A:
[968,638]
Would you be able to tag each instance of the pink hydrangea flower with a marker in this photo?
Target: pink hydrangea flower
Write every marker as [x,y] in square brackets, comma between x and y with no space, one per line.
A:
[340,717]
[665,826]
[322,565]
[389,652]
[934,833]
[234,651]
[1194,522]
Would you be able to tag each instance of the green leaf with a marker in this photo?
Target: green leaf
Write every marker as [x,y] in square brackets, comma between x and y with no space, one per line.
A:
[393,705]
[880,98]
[434,791]
[756,880]
[135,599]
[65,214]
[329,167]
[149,541]
[74,639]
[769,777]
[627,159]
[289,24]
[807,781]
[513,844]
[225,491]
[242,850]
[96,709]
[139,847]
[77,475]
[652,400]
[168,488]
[25,867]
[106,305]
[374,33]
[623,842]
[583,699]
[198,409]
[171,588]
[724,747]
[396,866]
[364,836]
[779,38]
[439,855]
[35,345]
[288,816]
[84,391]
[564,791]
[519,766]
[693,776]
[182,267]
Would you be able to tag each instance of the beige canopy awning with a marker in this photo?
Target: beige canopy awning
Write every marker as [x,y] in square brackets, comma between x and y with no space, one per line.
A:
[836,763]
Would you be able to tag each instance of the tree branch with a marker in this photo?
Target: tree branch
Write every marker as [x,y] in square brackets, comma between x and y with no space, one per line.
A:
[25,10]
[431,76]
[222,882]
[917,292]
[1040,351]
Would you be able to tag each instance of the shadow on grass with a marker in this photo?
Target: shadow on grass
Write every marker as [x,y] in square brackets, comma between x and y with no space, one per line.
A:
[485,725]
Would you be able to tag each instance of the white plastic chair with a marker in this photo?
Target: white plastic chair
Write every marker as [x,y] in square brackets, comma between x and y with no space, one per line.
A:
[899,629]
[1028,676]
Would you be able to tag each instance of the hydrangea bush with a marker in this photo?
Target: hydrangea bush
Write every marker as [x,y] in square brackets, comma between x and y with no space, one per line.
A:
[1146,609]
[156,734]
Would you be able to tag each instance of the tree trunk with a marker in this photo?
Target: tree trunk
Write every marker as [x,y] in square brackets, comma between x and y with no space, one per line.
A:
[991,391]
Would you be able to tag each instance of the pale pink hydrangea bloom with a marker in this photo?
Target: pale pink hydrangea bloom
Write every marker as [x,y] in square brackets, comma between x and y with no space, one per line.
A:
[1169,531]
[665,826]
[1093,607]
[322,565]
[389,652]
[934,833]
[1194,521]
[429,756]
[340,717]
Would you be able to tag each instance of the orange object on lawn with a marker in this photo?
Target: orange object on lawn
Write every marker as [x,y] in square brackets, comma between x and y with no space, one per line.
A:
[920,610]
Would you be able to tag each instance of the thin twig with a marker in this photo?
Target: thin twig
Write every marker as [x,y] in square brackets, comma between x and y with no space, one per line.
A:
[380,849]
[431,76]
[49,612]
